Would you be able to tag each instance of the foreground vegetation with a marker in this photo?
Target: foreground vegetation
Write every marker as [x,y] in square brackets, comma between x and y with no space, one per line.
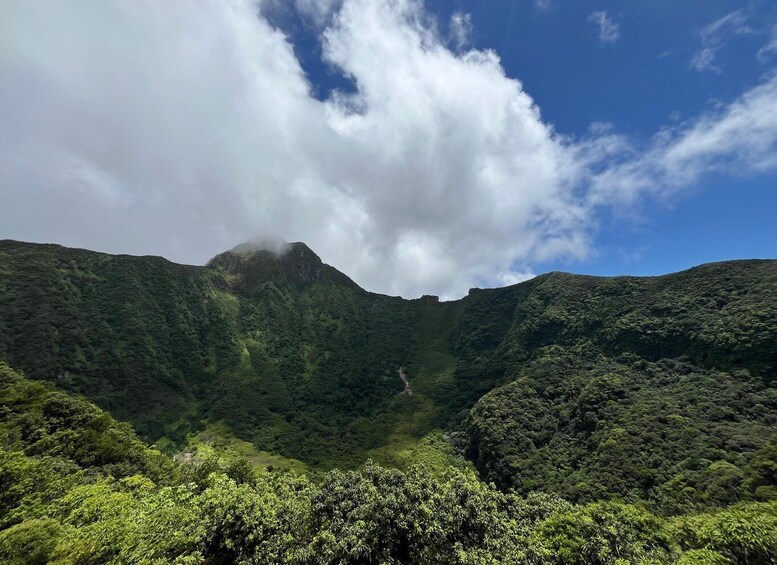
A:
[78,487]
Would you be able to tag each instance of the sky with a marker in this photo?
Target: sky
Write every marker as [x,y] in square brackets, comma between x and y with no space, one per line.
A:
[419,147]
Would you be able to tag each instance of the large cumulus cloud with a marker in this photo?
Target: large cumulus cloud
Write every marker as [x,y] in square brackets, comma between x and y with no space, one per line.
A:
[181,128]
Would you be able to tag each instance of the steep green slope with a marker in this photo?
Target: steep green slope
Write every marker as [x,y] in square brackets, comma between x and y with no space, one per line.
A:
[138,335]
[590,427]
[286,350]
[292,356]
[658,388]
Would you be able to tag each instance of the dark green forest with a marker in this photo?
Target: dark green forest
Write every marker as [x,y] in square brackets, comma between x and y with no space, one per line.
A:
[567,419]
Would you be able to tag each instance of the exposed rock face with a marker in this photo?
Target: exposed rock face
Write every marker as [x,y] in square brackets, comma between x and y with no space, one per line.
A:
[296,263]
[402,375]
[302,265]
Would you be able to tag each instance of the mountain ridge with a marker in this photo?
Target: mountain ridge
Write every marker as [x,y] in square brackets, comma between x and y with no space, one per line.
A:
[296,360]
[236,250]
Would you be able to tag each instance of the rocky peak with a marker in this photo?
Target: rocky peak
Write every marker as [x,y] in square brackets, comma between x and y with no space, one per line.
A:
[292,262]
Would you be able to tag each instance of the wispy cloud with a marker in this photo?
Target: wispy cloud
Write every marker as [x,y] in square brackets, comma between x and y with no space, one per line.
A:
[704,60]
[317,11]
[543,5]
[738,138]
[609,31]
[770,48]
[460,30]
[715,36]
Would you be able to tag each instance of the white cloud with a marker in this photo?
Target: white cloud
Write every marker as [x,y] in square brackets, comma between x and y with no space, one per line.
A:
[770,48]
[151,127]
[609,31]
[543,5]
[461,30]
[453,155]
[319,11]
[738,138]
[732,23]
[714,36]
[511,277]
[704,60]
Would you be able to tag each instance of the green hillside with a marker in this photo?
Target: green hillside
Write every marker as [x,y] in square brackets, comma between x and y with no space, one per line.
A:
[656,389]
[80,488]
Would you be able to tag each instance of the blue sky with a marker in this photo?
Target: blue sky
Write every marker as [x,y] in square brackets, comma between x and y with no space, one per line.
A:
[640,82]
[420,146]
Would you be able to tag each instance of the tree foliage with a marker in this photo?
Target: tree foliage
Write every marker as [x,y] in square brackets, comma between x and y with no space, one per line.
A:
[72,504]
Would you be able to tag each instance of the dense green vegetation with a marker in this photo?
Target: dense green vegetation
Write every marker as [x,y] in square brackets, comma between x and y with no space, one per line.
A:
[589,427]
[78,487]
[566,419]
